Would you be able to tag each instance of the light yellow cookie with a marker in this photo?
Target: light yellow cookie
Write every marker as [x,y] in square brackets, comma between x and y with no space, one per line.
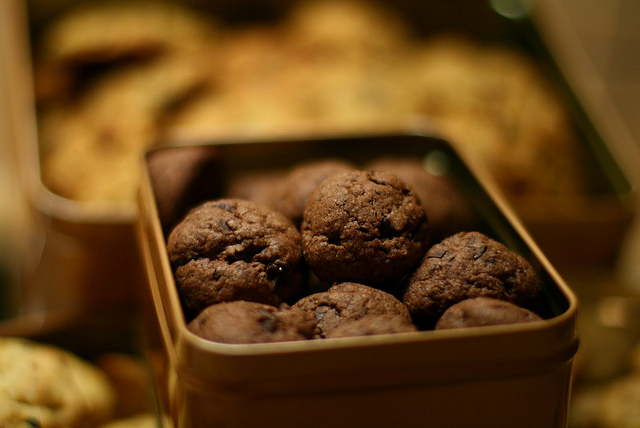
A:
[497,106]
[329,67]
[91,148]
[346,27]
[100,31]
[48,387]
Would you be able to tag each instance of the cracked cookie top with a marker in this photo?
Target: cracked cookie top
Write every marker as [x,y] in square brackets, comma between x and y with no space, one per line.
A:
[347,302]
[467,265]
[363,226]
[232,249]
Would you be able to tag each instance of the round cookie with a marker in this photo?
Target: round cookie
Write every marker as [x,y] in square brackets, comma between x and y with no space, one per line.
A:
[482,311]
[182,177]
[250,322]
[446,209]
[363,226]
[257,186]
[78,36]
[348,301]
[45,386]
[345,26]
[466,265]
[231,249]
[295,189]
[371,325]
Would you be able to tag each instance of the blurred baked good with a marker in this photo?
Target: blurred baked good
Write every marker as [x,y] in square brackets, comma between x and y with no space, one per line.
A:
[497,105]
[130,379]
[91,148]
[45,386]
[323,68]
[613,400]
[256,186]
[78,36]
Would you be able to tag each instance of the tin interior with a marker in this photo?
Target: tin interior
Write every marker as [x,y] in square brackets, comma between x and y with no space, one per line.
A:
[491,215]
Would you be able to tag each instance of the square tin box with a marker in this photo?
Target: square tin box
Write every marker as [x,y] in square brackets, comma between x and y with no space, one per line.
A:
[501,376]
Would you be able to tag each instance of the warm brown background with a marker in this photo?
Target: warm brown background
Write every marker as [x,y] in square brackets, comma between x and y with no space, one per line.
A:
[597,41]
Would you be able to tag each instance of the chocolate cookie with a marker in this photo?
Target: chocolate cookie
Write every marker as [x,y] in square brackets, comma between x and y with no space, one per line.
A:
[45,386]
[231,249]
[177,175]
[78,36]
[446,209]
[348,301]
[481,311]
[250,322]
[370,325]
[257,186]
[293,192]
[363,226]
[465,265]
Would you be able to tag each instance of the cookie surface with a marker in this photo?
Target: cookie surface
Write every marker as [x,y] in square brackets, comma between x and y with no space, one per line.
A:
[447,211]
[292,193]
[466,265]
[481,311]
[231,249]
[365,227]
[346,302]
[257,186]
[371,325]
[250,322]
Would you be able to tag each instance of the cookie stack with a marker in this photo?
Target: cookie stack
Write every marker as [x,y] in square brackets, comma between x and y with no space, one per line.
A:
[338,252]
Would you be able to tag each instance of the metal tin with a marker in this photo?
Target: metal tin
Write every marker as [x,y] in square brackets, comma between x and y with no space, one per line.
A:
[503,376]
[75,258]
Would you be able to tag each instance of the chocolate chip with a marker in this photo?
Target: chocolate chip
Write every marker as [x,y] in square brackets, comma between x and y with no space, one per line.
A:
[268,322]
[225,206]
[480,252]
[386,227]
[274,272]
[225,225]
[438,253]
[33,422]
[376,179]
